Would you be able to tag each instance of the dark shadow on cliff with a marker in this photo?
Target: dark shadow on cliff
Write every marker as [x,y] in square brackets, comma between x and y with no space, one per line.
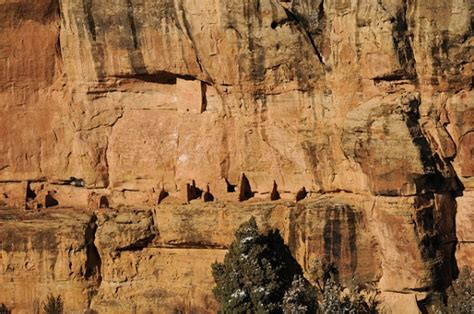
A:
[336,220]
[280,249]
[93,260]
[436,189]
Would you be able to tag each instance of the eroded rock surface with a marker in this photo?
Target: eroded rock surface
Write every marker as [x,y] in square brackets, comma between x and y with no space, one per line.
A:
[361,109]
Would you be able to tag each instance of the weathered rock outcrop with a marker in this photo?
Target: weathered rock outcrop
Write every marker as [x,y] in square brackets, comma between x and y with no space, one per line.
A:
[362,108]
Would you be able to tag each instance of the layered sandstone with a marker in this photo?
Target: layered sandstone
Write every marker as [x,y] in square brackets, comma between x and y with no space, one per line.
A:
[158,104]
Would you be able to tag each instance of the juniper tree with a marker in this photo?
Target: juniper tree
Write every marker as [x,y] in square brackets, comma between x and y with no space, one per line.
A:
[256,272]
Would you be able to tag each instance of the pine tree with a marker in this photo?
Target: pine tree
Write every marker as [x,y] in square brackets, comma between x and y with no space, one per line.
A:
[256,273]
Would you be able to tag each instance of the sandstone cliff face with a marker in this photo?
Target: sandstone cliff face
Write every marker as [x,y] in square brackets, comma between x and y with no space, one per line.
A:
[366,104]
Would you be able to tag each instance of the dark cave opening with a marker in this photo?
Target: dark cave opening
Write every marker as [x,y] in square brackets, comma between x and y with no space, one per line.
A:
[192,191]
[230,186]
[50,201]
[275,195]
[301,194]
[208,197]
[245,189]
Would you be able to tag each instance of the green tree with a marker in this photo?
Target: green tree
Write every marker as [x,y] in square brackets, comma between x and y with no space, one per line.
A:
[257,271]
[54,305]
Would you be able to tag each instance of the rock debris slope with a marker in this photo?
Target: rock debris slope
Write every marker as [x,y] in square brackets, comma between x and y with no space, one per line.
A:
[361,109]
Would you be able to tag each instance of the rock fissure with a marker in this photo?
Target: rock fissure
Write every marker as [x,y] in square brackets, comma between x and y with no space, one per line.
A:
[186,28]
[138,245]
[402,43]
[307,34]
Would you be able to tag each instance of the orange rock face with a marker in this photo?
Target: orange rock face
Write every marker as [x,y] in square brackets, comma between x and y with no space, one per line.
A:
[160,106]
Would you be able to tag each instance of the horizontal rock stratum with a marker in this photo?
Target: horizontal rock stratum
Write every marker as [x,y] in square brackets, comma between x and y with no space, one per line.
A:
[135,136]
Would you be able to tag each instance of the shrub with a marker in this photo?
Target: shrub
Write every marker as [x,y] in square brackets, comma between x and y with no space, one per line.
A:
[333,297]
[206,304]
[4,309]
[460,296]
[54,305]
[182,307]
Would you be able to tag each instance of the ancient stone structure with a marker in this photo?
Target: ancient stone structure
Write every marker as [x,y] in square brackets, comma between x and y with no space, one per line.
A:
[119,119]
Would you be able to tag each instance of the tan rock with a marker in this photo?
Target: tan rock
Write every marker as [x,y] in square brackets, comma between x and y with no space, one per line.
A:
[396,302]
[465,230]
[372,98]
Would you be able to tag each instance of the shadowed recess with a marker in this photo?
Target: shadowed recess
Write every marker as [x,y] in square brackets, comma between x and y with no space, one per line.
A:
[159,77]
[93,260]
[103,202]
[336,238]
[245,189]
[208,197]
[50,201]
[275,195]
[163,194]
[230,186]
[301,194]
[192,191]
